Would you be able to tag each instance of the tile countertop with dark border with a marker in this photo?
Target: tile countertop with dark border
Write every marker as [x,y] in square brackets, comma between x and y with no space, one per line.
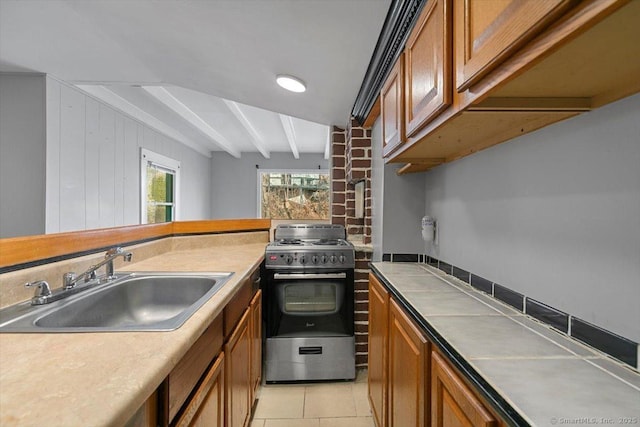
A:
[527,371]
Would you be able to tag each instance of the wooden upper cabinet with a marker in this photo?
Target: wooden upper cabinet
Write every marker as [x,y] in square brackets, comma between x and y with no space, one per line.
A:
[427,66]
[453,404]
[488,31]
[392,106]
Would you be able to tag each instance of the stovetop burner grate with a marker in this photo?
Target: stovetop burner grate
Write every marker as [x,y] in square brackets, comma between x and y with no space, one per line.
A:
[327,242]
[290,242]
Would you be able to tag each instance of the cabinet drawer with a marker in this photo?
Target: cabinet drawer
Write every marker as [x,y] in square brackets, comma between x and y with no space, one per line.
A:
[236,307]
[184,377]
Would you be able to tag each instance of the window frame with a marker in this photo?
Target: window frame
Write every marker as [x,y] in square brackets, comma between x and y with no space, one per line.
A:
[289,171]
[172,165]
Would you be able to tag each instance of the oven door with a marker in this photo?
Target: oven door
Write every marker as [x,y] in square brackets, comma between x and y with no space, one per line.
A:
[309,304]
[310,294]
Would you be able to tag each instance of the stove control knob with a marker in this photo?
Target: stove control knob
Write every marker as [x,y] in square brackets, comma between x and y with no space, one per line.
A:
[342,259]
[323,259]
[288,259]
[314,259]
[332,259]
[303,260]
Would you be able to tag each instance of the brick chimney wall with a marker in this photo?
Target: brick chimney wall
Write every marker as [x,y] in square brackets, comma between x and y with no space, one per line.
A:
[351,163]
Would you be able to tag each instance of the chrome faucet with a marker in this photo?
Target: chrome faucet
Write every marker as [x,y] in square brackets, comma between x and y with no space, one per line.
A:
[69,280]
[44,295]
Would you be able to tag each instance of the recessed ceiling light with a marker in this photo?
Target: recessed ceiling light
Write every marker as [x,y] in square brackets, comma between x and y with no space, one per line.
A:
[291,83]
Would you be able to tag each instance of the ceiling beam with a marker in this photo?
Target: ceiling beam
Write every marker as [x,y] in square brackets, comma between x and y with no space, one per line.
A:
[256,137]
[287,124]
[116,101]
[166,98]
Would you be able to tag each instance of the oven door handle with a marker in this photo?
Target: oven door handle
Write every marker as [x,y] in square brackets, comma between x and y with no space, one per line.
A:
[309,276]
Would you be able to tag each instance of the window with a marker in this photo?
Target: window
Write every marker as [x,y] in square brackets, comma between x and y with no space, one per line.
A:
[159,197]
[293,194]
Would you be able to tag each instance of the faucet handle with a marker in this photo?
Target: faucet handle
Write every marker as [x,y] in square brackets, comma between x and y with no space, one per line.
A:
[43,289]
[69,280]
[114,251]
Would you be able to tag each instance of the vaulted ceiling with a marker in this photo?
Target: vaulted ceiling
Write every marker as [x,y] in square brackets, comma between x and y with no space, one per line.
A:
[203,72]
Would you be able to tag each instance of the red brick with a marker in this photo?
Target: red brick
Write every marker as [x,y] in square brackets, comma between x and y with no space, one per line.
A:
[337,162]
[362,265]
[357,175]
[364,164]
[360,142]
[339,220]
[361,360]
[361,317]
[358,152]
[355,221]
[337,210]
[362,306]
[339,186]
[361,328]
[337,173]
[357,132]
[338,198]
[337,149]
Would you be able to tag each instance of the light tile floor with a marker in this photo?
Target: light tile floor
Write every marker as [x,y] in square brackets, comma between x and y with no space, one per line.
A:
[335,404]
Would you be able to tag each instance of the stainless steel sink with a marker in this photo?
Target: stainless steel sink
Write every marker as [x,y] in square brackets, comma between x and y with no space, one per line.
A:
[131,302]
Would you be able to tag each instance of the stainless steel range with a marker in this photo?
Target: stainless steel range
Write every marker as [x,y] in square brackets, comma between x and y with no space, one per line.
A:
[309,304]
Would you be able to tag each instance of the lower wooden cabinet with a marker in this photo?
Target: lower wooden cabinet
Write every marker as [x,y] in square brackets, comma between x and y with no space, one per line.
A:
[255,310]
[398,363]
[408,372]
[237,374]
[410,383]
[453,403]
[378,345]
[206,407]
[216,382]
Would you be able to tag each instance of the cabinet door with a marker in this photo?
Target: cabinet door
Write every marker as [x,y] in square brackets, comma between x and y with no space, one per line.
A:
[488,31]
[206,407]
[237,374]
[453,403]
[256,343]
[392,106]
[427,66]
[190,369]
[378,333]
[408,381]
[147,414]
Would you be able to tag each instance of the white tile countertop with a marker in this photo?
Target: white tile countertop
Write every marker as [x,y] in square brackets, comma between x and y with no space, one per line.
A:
[546,377]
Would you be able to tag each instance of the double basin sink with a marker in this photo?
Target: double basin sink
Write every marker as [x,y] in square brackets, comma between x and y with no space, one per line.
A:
[129,302]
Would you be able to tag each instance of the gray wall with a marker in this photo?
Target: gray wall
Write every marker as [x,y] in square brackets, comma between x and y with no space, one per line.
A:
[22,155]
[92,157]
[554,215]
[398,204]
[234,182]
